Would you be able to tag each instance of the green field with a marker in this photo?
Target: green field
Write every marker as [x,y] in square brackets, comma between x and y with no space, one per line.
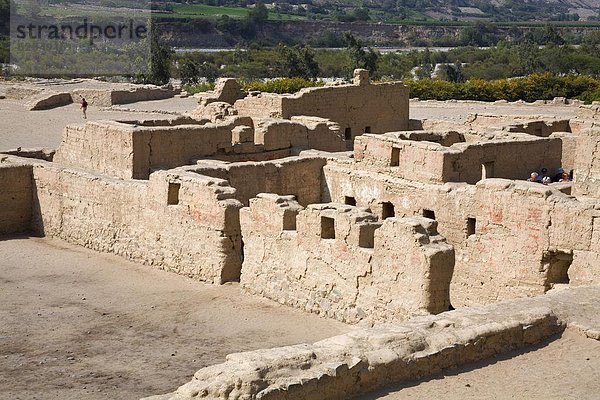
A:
[205,11]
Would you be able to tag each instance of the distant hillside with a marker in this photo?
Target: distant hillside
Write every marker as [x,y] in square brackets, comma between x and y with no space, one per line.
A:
[396,11]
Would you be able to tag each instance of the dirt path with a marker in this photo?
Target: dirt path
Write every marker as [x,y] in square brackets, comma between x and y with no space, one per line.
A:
[77,324]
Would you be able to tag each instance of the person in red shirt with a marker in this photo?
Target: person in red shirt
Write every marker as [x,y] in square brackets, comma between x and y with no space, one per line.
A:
[84,105]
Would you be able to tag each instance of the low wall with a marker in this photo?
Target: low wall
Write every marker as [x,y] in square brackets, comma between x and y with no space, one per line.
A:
[430,162]
[49,100]
[110,97]
[345,366]
[129,151]
[15,198]
[532,125]
[179,221]
[341,262]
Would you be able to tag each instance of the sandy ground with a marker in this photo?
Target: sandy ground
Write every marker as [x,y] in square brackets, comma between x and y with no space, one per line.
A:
[76,324]
[32,129]
[563,368]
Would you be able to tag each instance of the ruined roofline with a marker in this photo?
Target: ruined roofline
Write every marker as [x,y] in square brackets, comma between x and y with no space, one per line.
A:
[551,192]
[309,90]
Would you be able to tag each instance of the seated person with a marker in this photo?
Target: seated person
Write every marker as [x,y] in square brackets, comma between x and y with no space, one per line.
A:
[565,177]
[534,177]
[559,175]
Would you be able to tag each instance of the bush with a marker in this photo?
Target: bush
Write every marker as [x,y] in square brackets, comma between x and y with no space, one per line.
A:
[200,88]
[282,85]
[537,86]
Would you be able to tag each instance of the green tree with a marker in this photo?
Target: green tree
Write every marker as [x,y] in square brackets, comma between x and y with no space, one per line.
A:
[159,68]
[4,17]
[298,61]
[360,57]
[189,72]
[361,14]
[259,13]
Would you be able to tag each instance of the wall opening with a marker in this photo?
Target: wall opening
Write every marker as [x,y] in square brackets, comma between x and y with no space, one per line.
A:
[351,201]
[556,266]
[173,195]
[348,134]
[366,238]
[428,213]
[327,228]
[289,221]
[367,129]
[487,170]
[471,226]
[387,210]
[242,251]
[395,161]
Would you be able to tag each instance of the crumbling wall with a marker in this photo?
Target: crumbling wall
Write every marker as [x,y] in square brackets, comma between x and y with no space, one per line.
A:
[340,261]
[431,162]
[177,220]
[346,366]
[131,151]
[298,176]
[506,233]
[48,100]
[586,180]
[109,97]
[15,198]
[226,90]
[300,132]
[358,108]
[533,125]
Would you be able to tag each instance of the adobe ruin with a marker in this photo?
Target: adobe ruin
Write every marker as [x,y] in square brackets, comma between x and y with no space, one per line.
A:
[419,218]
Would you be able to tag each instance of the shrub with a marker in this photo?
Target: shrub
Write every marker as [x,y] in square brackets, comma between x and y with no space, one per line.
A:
[281,85]
[533,87]
[199,88]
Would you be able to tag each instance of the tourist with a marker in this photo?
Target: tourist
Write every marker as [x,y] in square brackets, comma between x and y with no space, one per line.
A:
[534,177]
[544,174]
[559,175]
[565,177]
[546,180]
[84,105]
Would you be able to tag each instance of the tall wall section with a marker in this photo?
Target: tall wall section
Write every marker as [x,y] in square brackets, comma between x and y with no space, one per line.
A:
[358,109]
[177,220]
[512,239]
[340,261]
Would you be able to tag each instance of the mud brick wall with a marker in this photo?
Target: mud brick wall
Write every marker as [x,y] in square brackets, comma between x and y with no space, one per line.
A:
[521,229]
[341,262]
[298,176]
[179,221]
